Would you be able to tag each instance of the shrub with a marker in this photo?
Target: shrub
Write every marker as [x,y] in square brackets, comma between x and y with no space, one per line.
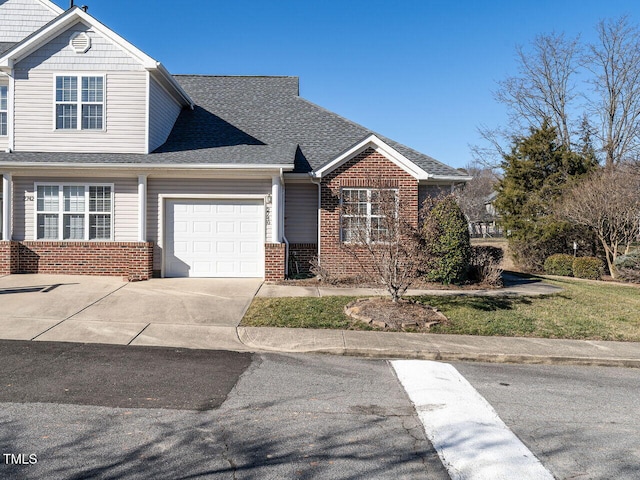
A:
[485,265]
[446,235]
[559,264]
[587,267]
[628,267]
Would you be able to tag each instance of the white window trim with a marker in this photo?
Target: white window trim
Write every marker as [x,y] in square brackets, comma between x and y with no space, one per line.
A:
[61,212]
[368,216]
[79,102]
[6,112]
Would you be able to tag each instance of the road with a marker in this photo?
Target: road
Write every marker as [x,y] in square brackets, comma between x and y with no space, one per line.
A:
[71,411]
[112,412]
[581,422]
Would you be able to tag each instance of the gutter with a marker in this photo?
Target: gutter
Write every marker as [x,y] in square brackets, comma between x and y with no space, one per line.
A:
[154,166]
[161,68]
[449,178]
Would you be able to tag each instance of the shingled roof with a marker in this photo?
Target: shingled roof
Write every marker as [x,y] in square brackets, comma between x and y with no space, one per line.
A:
[5,46]
[247,121]
[269,111]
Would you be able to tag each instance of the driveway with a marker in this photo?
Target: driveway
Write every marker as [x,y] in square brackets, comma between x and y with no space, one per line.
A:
[195,312]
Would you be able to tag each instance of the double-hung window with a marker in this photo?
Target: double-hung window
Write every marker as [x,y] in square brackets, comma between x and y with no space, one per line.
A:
[4,93]
[79,102]
[366,213]
[74,212]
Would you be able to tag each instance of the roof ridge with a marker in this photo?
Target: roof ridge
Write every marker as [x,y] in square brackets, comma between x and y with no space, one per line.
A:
[205,75]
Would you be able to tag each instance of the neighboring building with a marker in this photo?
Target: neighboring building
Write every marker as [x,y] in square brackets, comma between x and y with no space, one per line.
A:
[112,166]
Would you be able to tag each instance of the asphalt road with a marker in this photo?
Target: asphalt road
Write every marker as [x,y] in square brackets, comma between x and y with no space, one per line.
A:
[581,422]
[72,411]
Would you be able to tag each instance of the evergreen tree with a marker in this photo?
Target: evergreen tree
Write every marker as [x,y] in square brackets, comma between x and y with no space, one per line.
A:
[536,171]
[447,243]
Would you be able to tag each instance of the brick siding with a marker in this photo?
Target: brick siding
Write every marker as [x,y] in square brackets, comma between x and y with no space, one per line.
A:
[8,257]
[274,264]
[300,256]
[368,169]
[131,260]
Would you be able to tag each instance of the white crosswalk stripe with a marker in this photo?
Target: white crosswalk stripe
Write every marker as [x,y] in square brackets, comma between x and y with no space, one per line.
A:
[469,436]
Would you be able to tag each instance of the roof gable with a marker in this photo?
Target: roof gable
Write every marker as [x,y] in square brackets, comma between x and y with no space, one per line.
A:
[69,19]
[379,146]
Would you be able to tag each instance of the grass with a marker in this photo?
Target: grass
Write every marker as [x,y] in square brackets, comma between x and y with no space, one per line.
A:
[299,312]
[583,310]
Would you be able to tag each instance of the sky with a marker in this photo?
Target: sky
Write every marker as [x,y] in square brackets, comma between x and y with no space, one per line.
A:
[421,72]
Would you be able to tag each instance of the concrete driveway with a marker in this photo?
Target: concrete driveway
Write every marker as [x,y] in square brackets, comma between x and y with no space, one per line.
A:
[195,312]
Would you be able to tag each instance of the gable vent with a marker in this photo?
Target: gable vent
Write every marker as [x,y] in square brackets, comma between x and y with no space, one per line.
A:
[80,42]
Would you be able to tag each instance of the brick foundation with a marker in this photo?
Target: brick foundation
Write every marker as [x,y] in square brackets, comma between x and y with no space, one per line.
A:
[8,257]
[300,257]
[274,264]
[131,260]
[368,169]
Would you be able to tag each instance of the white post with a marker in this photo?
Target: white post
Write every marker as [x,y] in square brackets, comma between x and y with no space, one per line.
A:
[7,196]
[142,208]
[276,192]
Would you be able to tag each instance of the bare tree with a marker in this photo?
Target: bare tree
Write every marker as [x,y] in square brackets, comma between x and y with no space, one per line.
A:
[615,64]
[544,89]
[492,152]
[608,203]
[474,196]
[382,237]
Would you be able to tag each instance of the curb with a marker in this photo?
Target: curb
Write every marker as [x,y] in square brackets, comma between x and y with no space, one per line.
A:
[445,356]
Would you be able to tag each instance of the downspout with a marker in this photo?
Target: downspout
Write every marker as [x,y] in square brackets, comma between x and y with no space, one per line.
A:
[318,182]
[284,237]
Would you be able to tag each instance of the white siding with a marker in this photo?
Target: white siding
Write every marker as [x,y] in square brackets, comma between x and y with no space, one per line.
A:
[193,186]
[163,112]
[125,215]
[20,18]
[301,212]
[125,98]
[58,55]
[125,117]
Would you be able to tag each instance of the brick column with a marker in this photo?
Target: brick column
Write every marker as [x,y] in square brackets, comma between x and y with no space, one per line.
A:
[274,261]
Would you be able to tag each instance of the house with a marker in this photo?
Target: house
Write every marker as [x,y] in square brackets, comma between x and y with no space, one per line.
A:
[112,166]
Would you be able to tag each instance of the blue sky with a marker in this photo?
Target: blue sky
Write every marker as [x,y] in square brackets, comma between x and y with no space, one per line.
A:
[419,71]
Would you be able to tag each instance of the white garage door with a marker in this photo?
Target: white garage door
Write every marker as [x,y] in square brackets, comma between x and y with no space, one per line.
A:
[214,238]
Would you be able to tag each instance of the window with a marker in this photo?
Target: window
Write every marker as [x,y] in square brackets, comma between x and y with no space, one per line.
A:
[79,103]
[74,212]
[4,90]
[365,213]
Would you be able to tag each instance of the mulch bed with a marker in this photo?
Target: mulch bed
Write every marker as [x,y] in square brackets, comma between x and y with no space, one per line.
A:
[402,316]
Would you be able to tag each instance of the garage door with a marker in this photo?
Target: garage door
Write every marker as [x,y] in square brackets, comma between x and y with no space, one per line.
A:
[214,238]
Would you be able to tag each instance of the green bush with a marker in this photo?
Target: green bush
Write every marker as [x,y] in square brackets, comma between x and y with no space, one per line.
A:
[628,267]
[587,267]
[559,264]
[447,243]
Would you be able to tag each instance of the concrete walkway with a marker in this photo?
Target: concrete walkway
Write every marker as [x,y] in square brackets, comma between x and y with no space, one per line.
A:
[513,286]
[205,313]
